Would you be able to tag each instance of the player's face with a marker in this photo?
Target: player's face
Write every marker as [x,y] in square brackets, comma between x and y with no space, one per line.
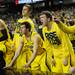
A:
[23,29]
[43,19]
[25,11]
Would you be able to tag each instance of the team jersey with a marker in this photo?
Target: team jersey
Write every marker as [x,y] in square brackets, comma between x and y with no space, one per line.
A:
[16,40]
[57,41]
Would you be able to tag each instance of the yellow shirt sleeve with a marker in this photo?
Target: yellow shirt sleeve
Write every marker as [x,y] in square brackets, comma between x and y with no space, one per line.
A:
[67,29]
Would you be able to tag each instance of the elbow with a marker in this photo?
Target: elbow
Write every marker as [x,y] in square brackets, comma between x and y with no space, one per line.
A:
[35,52]
[17,54]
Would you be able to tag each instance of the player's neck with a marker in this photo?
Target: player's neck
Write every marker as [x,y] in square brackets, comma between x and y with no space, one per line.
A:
[49,26]
[25,17]
[28,36]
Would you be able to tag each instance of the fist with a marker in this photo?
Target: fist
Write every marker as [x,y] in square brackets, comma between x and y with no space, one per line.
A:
[53,62]
[65,62]
[72,70]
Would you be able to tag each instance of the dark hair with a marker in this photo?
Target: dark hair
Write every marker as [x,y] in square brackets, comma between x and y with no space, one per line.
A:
[27,25]
[28,6]
[47,13]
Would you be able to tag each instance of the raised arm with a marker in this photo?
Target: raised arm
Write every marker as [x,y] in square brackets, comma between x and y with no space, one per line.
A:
[65,28]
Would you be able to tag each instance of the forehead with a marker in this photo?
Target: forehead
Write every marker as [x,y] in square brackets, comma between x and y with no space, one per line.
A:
[25,7]
[42,16]
[22,26]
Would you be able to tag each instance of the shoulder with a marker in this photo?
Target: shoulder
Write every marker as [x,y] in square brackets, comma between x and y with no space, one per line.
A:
[20,20]
[35,36]
[30,20]
[44,28]
[53,23]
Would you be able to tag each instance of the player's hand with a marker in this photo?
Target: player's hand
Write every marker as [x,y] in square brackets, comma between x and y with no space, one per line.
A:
[65,61]
[53,62]
[72,69]
[8,66]
[26,65]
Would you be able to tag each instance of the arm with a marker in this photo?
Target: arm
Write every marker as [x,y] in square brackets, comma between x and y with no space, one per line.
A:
[35,47]
[65,28]
[17,53]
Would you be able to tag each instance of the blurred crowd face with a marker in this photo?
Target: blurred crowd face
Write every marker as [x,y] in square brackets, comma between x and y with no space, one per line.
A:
[43,19]
[25,11]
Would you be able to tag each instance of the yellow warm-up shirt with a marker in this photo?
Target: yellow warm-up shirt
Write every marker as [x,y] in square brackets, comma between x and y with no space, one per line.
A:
[68,30]
[16,40]
[60,46]
[2,44]
[25,54]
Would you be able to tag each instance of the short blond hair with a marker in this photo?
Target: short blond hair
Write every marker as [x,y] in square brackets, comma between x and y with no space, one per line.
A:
[28,6]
